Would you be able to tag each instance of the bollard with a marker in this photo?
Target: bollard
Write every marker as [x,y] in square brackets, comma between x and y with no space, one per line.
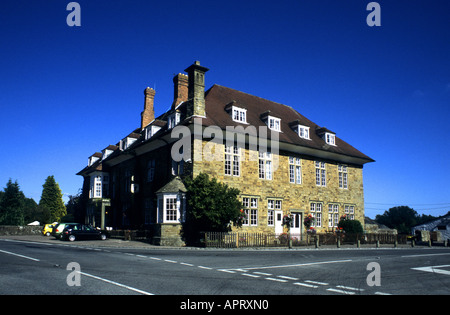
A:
[429,243]
[339,243]
[413,243]
[377,244]
[358,243]
[395,244]
[316,242]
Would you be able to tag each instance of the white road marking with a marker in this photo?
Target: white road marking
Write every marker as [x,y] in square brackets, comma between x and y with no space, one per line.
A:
[316,282]
[295,265]
[203,267]
[116,284]
[382,293]
[262,273]
[171,261]
[186,264]
[341,291]
[18,255]
[348,288]
[434,269]
[274,279]
[250,275]
[306,285]
[287,278]
[226,270]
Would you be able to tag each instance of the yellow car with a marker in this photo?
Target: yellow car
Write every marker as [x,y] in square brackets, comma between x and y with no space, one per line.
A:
[48,228]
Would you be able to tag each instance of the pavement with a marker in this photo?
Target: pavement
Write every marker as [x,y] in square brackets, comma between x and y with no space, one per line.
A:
[119,243]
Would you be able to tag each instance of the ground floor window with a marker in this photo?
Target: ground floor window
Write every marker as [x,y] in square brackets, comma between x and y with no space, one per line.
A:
[250,207]
[316,212]
[171,208]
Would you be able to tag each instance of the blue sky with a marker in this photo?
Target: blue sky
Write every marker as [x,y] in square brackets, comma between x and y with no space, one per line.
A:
[67,92]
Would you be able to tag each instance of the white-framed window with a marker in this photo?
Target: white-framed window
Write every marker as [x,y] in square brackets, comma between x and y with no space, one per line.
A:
[150,131]
[316,212]
[239,114]
[349,211]
[330,138]
[321,174]
[295,170]
[98,187]
[170,208]
[272,205]
[265,165]
[126,143]
[151,170]
[250,206]
[173,120]
[333,215]
[232,160]
[343,176]
[303,132]
[274,123]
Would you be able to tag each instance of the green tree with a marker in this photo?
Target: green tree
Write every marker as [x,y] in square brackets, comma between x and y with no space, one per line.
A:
[350,226]
[11,205]
[212,206]
[401,218]
[51,203]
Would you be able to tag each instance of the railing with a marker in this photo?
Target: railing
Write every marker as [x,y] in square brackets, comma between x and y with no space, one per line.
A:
[244,239]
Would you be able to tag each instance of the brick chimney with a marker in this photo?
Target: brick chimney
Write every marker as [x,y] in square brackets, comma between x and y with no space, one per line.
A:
[148,115]
[180,89]
[196,89]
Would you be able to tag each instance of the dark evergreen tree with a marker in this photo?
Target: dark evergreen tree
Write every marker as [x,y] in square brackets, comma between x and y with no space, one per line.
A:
[212,206]
[51,203]
[11,205]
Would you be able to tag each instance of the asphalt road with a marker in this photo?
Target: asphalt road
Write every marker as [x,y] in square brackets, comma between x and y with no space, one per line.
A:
[41,268]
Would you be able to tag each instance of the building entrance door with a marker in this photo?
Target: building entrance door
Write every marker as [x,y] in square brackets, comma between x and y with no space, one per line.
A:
[296,224]
[278,222]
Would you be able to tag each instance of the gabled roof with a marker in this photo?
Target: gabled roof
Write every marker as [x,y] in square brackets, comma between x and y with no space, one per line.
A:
[174,186]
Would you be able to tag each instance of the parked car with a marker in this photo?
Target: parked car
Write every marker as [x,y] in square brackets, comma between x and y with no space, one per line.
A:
[58,229]
[77,231]
[48,228]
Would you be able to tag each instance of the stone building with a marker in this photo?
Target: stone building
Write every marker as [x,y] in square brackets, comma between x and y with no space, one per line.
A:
[282,163]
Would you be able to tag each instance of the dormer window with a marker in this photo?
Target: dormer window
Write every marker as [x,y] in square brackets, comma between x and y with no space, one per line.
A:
[239,114]
[303,132]
[94,158]
[330,138]
[150,131]
[173,120]
[128,141]
[272,122]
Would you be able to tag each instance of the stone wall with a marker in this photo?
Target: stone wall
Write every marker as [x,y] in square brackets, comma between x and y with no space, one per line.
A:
[20,230]
[296,197]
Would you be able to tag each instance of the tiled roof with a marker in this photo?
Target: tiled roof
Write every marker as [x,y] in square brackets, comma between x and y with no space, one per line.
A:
[219,97]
